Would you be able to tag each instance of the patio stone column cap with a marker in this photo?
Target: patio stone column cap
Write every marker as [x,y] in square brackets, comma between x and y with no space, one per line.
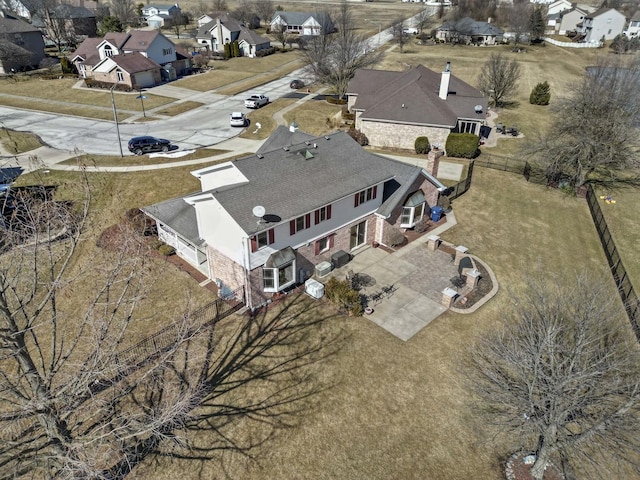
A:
[449,292]
[434,238]
[462,249]
[473,273]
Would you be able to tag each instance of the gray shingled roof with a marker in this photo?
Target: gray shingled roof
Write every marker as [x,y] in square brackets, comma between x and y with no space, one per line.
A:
[412,97]
[284,137]
[602,11]
[469,26]
[298,18]
[179,216]
[288,185]
[251,37]
[14,25]
[134,62]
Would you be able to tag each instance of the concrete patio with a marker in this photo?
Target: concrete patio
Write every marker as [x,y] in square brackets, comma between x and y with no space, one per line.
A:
[404,288]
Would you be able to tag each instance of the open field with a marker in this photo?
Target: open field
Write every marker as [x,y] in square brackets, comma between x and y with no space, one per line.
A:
[401,410]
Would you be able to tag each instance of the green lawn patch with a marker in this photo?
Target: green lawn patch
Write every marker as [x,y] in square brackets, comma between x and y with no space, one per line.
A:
[18,142]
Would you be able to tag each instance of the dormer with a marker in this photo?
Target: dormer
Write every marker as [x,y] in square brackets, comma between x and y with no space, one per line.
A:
[219,177]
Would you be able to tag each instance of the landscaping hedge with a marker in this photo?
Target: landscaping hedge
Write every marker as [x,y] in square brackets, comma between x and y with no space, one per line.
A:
[462,145]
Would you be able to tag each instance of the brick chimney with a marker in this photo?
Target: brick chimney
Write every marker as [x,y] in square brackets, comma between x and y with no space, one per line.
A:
[433,161]
[444,82]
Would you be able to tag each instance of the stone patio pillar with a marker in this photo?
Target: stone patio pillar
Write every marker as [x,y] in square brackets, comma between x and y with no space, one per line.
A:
[433,243]
[472,278]
[460,252]
[448,296]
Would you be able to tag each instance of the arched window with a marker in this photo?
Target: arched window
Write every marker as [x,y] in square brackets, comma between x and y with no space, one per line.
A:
[413,209]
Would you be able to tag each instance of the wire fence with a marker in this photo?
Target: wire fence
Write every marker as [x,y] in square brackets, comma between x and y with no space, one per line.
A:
[623,283]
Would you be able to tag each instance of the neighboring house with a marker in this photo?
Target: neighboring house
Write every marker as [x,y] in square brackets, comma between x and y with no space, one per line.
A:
[633,30]
[302,23]
[169,61]
[226,29]
[605,23]
[156,15]
[570,19]
[77,23]
[469,31]
[319,196]
[558,6]
[22,45]
[394,108]
[21,8]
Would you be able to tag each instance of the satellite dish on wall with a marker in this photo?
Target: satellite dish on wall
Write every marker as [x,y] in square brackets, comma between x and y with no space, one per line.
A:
[259,211]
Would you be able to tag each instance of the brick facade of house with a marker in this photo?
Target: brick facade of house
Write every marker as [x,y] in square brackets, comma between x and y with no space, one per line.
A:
[394,135]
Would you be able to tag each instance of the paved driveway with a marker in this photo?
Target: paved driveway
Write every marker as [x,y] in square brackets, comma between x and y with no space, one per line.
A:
[404,288]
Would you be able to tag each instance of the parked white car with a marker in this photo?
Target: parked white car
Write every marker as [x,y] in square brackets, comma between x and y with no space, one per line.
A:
[238,119]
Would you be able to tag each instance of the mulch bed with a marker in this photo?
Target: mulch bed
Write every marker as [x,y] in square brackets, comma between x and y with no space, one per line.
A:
[482,289]
[516,469]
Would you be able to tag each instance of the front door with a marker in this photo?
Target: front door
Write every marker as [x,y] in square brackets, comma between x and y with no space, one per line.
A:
[358,235]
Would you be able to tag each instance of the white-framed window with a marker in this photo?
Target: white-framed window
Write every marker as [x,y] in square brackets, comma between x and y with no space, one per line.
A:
[300,223]
[413,210]
[277,279]
[467,127]
[365,195]
[120,76]
[262,239]
[108,52]
[322,214]
[167,51]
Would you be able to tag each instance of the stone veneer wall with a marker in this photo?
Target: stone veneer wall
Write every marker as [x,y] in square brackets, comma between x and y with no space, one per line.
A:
[393,135]
[221,267]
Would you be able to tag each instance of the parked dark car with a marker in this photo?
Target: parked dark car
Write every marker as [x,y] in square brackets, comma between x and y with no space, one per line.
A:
[296,84]
[146,144]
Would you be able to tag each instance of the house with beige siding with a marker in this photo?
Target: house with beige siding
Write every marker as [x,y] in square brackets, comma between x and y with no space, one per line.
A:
[394,108]
[264,222]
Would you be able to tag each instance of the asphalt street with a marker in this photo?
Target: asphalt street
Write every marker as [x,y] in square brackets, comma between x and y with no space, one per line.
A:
[202,127]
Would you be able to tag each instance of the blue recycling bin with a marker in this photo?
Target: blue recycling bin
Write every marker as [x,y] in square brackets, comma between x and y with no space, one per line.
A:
[436,213]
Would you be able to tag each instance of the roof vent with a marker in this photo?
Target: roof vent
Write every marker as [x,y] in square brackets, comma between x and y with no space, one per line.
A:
[315,145]
[306,154]
[326,137]
[286,149]
[307,142]
[260,156]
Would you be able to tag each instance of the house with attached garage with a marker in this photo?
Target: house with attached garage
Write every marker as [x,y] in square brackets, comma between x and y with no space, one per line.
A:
[394,108]
[302,23]
[223,29]
[262,223]
[135,59]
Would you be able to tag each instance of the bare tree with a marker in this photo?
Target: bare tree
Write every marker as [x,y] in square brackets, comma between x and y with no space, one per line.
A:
[499,78]
[125,11]
[594,135]
[563,377]
[177,22]
[400,33]
[219,5]
[519,21]
[281,35]
[423,20]
[333,58]
[265,10]
[80,399]
[244,11]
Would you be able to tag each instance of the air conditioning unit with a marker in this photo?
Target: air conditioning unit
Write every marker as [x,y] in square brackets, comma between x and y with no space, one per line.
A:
[323,269]
[314,288]
[340,259]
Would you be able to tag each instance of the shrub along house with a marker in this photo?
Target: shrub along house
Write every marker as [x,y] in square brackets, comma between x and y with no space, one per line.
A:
[265,221]
[394,108]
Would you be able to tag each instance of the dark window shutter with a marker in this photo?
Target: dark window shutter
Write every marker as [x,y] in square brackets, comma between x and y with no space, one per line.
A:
[307,220]
[328,212]
[375,191]
[331,237]
[271,236]
[292,227]
[317,247]
[254,244]
[317,217]
[356,201]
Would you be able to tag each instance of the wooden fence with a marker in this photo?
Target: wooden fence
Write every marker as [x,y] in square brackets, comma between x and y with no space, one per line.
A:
[625,288]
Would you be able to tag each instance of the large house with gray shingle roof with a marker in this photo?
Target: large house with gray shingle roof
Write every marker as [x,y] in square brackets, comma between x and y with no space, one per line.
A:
[302,23]
[135,59]
[394,108]
[223,28]
[319,196]
[469,31]
[21,45]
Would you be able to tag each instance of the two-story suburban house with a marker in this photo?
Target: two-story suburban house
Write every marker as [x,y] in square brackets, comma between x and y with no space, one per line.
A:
[633,29]
[302,23]
[135,59]
[77,22]
[263,222]
[570,19]
[394,108]
[155,15]
[605,23]
[22,45]
[223,28]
